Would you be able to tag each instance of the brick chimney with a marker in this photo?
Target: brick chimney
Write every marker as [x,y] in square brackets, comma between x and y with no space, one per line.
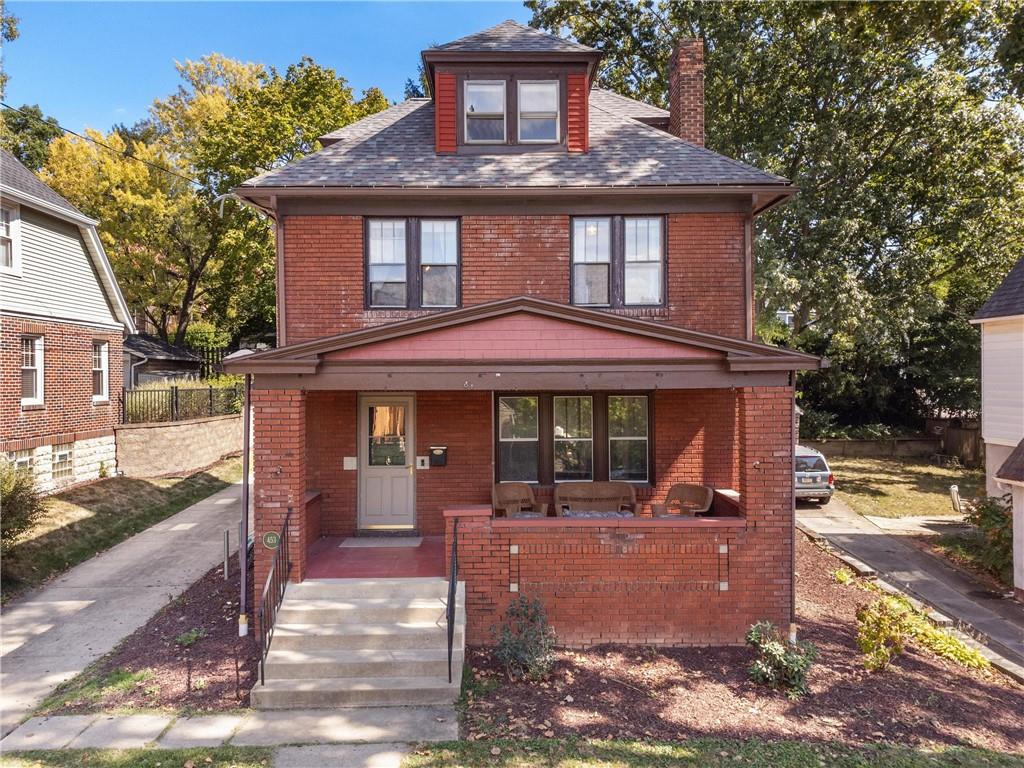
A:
[686,91]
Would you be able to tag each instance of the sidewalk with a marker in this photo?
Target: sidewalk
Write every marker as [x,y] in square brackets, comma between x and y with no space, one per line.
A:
[925,577]
[354,738]
[50,635]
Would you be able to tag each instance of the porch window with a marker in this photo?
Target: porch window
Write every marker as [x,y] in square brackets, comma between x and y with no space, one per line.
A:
[574,438]
[518,439]
[100,366]
[412,263]
[31,370]
[553,438]
[618,261]
[627,438]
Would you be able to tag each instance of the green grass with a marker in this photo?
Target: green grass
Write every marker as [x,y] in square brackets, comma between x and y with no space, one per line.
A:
[902,487]
[84,521]
[91,688]
[209,757]
[696,753]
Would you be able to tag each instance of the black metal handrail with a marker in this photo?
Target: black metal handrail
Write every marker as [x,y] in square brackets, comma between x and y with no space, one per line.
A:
[453,580]
[273,592]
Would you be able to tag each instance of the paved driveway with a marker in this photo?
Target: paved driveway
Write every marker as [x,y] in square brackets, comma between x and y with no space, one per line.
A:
[50,635]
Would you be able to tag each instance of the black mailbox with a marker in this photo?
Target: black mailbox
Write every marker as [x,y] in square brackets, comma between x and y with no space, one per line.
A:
[439,455]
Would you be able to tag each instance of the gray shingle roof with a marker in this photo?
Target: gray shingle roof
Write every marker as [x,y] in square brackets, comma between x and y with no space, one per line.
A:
[155,348]
[19,178]
[1013,467]
[512,37]
[1008,299]
[625,106]
[395,148]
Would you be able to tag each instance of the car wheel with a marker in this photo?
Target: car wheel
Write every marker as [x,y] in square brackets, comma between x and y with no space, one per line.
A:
[825,501]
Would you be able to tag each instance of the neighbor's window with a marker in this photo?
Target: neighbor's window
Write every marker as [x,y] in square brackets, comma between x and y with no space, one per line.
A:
[518,439]
[618,261]
[10,245]
[591,261]
[574,438]
[100,367]
[386,262]
[412,263]
[627,438]
[538,112]
[62,465]
[31,370]
[21,459]
[485,111]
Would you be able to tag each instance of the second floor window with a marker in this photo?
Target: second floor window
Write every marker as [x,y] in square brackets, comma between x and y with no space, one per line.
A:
[485,111]
[618,261]
[538,112]
[31,370]
[412,263]
[99,371]
[10,247]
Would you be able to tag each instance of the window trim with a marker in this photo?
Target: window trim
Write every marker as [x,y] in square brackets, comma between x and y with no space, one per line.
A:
[413,265]
[617,263]
[646,438]
[39,349]
[599,433]
[104,345]
[557,114]
[14,224]
[492,115]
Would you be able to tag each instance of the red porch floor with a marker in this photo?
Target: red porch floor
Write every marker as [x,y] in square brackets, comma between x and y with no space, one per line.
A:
[328,560]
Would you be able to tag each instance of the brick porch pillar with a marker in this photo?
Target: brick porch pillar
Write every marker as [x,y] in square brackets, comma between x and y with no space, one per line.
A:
[765,445]
[279,469]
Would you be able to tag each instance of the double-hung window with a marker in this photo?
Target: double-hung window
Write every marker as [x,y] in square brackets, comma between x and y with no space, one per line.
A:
[100,370]
[484,102]
[10,239]
[538,112]
[412,263]
[554,438]
[618,261]
[31,370]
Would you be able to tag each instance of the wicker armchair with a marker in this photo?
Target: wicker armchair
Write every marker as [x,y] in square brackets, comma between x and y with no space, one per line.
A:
[689,499]
[516,500]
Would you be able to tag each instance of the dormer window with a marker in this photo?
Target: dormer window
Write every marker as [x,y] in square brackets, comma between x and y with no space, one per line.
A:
[485,111]
[538,112]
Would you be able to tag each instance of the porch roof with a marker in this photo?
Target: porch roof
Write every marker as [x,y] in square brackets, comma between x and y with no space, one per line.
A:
[521,336]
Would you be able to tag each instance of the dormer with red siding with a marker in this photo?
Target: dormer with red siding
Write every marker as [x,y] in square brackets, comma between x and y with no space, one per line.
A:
[511,88]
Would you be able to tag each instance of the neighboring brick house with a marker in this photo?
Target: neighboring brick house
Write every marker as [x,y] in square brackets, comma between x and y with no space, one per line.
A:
[527,278]
[62,323]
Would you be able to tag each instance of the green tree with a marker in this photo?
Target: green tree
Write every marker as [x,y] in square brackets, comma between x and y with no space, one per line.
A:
[8,33]
[894,121]
[27,134]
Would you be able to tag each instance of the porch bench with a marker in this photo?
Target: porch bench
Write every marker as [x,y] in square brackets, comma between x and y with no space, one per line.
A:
[601,496]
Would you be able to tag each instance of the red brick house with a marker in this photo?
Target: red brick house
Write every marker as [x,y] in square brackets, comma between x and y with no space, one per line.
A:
[525,278]
[62,323]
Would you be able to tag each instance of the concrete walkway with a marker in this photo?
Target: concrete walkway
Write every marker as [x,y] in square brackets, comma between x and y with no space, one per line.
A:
[50,635]
[354,738]
[924,576]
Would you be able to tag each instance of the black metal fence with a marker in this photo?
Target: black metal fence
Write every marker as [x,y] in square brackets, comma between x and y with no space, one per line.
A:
[179,403]
[212,361]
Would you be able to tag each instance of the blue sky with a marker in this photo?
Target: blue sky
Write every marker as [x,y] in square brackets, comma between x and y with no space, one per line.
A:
[96,63]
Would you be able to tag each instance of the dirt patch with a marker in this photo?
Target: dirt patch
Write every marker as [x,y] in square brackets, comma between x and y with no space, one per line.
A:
[620,692]
[188,657]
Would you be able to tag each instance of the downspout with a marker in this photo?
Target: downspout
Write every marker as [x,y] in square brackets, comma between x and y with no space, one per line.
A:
[748,275]
[792,507]
[243,537]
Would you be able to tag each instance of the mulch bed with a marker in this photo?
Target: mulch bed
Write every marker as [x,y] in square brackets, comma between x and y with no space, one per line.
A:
[621,692]
[215,673]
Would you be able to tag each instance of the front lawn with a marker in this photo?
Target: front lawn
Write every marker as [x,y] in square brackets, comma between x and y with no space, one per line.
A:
[209,757]
[698,753]
[902,487]
[87,520]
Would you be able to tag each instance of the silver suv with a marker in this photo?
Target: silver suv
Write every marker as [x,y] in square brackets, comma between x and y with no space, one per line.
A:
[813,478]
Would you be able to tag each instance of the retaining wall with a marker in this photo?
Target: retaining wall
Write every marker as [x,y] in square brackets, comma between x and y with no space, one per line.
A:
[176,448]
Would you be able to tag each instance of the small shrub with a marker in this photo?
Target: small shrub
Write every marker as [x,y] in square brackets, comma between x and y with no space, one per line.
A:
[21,505]
[104,472]
[779,664]
[882,630]
[526,642]
[843,576]
[993,518]
[190,638]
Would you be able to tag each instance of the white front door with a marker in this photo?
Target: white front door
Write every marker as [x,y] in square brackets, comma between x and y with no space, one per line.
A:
[387,462]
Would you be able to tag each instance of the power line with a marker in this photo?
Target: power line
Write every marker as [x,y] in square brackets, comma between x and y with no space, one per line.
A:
[105,146]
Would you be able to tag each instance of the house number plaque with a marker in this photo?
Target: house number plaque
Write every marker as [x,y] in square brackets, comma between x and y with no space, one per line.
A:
[271,540]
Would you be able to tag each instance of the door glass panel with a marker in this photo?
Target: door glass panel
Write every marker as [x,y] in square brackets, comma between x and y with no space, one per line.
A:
[386,425]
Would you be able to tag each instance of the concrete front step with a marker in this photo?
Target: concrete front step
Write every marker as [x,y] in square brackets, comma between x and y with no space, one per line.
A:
[376,610]
[356,692]
[398,636]
[413,662]
[340,589]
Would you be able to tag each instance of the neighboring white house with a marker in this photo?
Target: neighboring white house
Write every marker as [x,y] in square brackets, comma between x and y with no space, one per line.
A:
[1001,320]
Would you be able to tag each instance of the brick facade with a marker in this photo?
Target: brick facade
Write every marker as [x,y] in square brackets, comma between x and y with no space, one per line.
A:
[512,255]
